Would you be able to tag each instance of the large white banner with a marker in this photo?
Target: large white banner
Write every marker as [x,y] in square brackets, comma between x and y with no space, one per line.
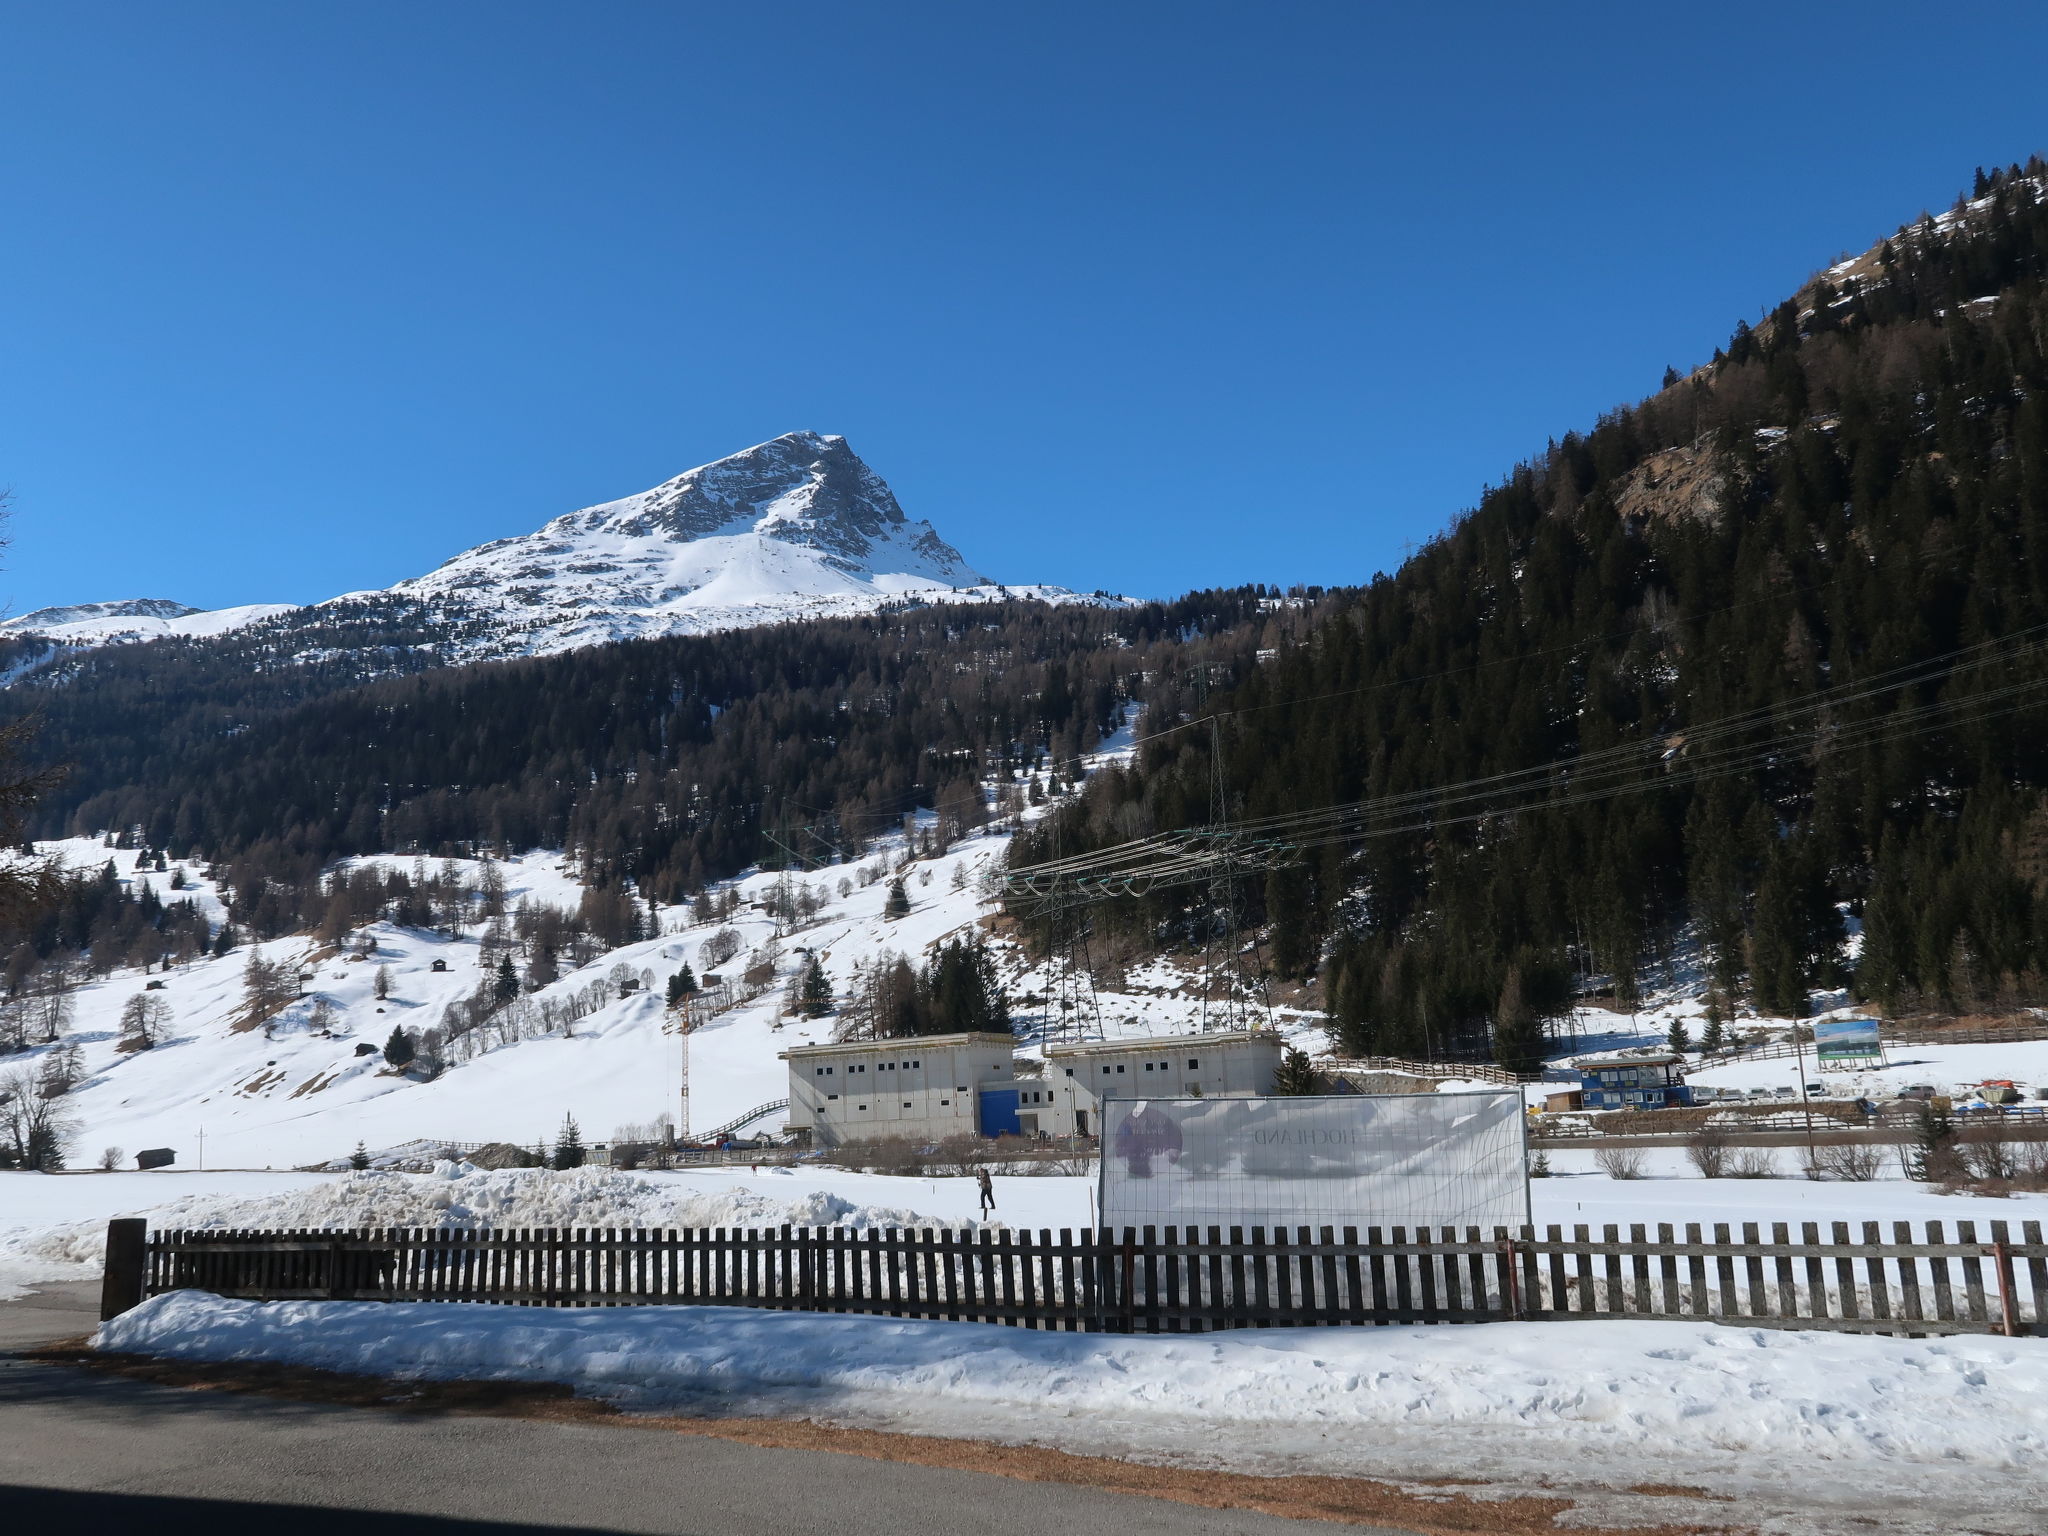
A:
[1367,1160]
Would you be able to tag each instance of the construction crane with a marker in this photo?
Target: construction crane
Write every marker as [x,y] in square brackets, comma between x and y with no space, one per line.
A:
[682,1020]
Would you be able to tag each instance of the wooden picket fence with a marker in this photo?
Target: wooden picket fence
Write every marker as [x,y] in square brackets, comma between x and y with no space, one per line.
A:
[1148,1280]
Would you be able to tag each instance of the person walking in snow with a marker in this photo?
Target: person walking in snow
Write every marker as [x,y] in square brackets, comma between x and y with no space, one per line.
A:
[988,1191]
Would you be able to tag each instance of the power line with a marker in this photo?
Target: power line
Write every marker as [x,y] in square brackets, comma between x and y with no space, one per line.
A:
[1706,751]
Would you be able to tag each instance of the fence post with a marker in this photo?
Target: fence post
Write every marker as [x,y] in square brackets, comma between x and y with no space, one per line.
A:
[1130,1256]
[121,1280]
[2002,1255]
[1513,1287]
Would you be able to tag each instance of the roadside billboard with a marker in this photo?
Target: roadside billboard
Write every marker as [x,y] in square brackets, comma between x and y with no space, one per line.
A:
[1846,1042]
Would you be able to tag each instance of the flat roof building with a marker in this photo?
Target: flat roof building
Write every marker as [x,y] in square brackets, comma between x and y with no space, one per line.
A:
[1233,1064]
[925,1087]
[1634,1082]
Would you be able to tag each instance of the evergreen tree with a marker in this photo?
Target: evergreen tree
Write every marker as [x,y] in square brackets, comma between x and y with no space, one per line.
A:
[681,985]
[359,1159]
[1679,1039]
[1932,1156]
[898,904]
[1289,914]
[814,1000]
[1715,1036]
[505,986]
[569,1151]
[1516,1025]
[1297,1076]
[382,986]
[399,1049]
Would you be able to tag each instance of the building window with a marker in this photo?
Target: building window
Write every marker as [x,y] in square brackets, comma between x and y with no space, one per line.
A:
[906,1103]
[944,1102]
[1119,1066]
[1194,1064]
[860,1106]
[1105,1069]
[1148,1066]
[1070,1071]
[917,1066]
[831,1095]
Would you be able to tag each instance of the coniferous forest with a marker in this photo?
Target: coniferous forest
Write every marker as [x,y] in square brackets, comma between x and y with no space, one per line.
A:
[661,764]
[1855,484]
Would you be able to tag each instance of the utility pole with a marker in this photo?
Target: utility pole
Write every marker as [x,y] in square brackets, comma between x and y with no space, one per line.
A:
[1799,1052]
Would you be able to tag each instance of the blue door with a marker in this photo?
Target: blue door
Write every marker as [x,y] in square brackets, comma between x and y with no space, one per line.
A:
[999,1112]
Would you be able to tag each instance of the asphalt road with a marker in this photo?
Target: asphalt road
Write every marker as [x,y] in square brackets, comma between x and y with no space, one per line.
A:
[87,1453]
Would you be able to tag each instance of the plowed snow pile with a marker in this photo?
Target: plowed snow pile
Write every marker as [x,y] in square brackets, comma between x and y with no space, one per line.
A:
[457,1195]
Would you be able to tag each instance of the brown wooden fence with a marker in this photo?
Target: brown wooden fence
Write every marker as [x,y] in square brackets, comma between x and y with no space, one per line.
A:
[1170,1280]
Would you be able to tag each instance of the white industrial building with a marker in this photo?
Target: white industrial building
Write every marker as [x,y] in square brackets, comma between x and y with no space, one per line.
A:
[1235,1064]
[932,1087]
[926,1087]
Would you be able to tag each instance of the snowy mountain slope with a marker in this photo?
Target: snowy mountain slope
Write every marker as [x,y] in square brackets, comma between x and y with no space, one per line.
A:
[137,618]
[793,528]
[295,1095]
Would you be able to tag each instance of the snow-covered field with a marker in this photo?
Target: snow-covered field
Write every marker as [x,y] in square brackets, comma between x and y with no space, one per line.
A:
[1810,1431]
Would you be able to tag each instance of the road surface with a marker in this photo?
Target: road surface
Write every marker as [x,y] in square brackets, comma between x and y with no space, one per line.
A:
[88,1453]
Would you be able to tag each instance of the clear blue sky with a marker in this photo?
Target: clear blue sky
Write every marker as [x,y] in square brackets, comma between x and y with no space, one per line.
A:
[296,299]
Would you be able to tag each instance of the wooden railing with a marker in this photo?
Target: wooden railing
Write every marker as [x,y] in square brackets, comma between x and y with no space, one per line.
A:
[1148,1280]
[1463,1071]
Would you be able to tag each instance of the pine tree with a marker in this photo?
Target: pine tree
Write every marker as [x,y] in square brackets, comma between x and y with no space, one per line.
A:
[898,904]
[382,985]
[814,1000]
[1932,1157]
[1679,1039]
[360,1158]
[1287,911]
[1517,1029]
[681,985]
[569,1151]
[399,1049]
[1297,1076]
[1715,1036]
[506,986]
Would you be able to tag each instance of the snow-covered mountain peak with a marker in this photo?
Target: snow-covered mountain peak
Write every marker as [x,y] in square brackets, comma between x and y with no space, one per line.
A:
[84,613]
[136,618]
[804,488]
[793,528]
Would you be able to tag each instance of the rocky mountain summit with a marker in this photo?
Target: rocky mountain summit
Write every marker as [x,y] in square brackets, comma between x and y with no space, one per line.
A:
[796,527]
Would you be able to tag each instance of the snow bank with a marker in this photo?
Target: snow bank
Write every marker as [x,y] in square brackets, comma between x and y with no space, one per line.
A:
[1628,1395]
[460,1196]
